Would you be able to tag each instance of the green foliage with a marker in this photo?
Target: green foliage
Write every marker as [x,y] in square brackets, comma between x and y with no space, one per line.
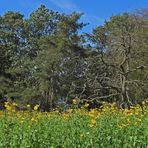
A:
[37,130]
[46,56]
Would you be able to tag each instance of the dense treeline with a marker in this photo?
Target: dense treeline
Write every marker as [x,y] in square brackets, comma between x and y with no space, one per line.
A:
[45,58]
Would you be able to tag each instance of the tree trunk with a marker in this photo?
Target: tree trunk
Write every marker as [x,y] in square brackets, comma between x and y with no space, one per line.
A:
[51,93]
[125,101]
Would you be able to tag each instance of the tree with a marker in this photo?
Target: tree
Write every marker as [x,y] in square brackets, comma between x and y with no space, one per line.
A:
[56,51]
[117,42]
[10,49]
[45,58]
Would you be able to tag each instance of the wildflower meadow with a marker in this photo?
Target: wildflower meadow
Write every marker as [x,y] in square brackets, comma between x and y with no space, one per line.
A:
[73,74]
[106,127]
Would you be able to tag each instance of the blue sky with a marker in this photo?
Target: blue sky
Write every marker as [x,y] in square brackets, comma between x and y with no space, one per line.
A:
[95,11]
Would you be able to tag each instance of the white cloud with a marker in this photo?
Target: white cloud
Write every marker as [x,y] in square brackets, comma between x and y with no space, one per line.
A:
[65,4]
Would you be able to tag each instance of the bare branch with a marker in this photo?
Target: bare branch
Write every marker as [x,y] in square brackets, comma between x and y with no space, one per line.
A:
[137,68]
[102,97]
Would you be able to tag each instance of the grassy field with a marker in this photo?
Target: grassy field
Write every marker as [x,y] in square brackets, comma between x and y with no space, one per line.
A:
[77,128]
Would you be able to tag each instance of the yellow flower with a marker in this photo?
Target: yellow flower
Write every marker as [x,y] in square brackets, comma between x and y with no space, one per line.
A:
[92,123]
[14,104]
[82,107]
[86,105]
[74,101]
[6,103]
[65,116]
[8,107]
[36,107]
[32,119]
[70,110]
[28,105]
